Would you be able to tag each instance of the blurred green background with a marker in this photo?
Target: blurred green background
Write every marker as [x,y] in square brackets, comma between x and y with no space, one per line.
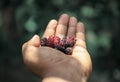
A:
[21,19]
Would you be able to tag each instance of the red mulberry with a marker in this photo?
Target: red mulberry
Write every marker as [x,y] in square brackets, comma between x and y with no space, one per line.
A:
[50,41]
[56,40]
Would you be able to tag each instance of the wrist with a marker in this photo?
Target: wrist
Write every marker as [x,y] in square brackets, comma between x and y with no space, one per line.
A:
[63,77]
[54,79]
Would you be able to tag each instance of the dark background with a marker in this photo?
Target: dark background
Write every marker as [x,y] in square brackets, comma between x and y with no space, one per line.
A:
[21,19]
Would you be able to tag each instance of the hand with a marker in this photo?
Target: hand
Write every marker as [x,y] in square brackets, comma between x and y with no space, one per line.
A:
[47,62]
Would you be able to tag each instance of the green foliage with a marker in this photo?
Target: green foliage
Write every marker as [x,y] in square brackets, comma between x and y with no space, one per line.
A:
[104,40]
[88,12]
[59,3]
[30,25]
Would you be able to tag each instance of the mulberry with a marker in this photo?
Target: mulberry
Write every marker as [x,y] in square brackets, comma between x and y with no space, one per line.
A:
[50,41]
[65,45]
[56,40]
[43,41]
[70,41]
[68,51]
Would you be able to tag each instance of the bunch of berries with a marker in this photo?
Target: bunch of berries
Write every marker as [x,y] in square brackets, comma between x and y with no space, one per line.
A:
[65,45]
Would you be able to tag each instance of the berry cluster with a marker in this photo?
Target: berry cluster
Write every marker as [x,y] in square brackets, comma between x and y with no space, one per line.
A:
[65,45]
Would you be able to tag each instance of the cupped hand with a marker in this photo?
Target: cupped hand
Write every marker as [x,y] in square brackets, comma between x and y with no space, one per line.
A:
[49,62]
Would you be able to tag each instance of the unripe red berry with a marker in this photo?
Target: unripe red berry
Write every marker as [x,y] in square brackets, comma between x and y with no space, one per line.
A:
[50,41]
[56,40]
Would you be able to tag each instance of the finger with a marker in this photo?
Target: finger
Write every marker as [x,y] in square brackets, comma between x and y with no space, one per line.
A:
[72,27]
[34,41]
[50,30]
[80,35]
[79,51]
[30,48]
[81,54]
[29,53]
[61,29]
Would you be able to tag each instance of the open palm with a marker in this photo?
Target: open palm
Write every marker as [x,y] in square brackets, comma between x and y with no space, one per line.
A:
[47,62]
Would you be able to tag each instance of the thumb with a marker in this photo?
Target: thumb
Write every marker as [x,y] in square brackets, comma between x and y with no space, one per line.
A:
[30,48]
[30,51]
[34,41]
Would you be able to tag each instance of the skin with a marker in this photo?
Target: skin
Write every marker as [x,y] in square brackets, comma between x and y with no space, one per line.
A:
[52,65]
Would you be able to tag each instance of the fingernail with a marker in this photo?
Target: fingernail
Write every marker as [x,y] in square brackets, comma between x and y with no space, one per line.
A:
[80,23]
[34,38]
[53,22]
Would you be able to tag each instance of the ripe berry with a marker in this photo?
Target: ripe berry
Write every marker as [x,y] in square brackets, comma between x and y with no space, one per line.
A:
[70,42]
[61,48]
[68,51]
[43,42]
[64,39]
